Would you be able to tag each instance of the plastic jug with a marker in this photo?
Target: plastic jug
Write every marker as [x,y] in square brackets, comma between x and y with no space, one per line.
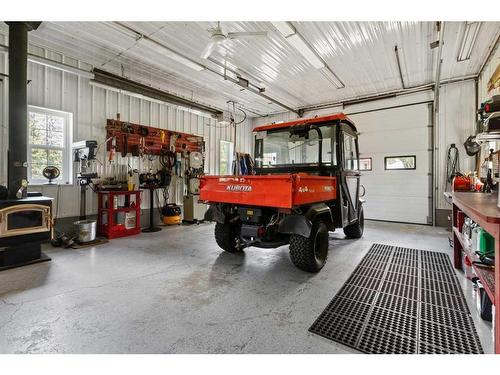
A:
[475,238]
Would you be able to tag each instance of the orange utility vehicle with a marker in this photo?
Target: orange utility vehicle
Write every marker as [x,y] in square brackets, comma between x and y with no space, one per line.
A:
[306,184]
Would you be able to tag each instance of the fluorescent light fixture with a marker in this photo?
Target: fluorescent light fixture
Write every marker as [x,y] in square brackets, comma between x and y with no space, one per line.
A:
[332,77]
[288,31]
[149,99]
[171,54]
[53,64]
[468,40]
[300,45]
[297,41]
[60,66]
[285,28]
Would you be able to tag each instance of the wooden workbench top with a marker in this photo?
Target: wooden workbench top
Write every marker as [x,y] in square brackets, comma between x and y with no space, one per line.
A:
[483,205]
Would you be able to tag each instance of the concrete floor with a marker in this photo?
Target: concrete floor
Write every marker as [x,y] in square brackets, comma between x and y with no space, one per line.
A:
[175,291]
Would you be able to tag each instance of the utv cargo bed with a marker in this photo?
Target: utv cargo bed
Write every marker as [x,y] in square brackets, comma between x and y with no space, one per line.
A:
[279,191]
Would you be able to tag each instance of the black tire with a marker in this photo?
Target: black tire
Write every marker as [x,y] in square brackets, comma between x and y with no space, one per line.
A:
[225,236]
[355,230]
[310,254]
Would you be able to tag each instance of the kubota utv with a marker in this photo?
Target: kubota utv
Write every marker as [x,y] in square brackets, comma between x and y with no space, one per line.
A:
[306,184]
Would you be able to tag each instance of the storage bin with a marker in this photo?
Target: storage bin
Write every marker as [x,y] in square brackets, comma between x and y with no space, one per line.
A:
[486,243]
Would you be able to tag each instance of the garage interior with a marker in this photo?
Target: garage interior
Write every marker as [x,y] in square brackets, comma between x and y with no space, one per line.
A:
[129,151]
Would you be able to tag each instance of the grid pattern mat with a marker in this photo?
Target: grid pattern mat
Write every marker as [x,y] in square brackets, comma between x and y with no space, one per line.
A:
[401,301]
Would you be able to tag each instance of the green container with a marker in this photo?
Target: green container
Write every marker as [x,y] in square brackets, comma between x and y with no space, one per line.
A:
[486,243]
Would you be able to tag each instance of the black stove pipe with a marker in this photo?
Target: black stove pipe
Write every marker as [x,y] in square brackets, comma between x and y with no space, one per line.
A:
[18,105]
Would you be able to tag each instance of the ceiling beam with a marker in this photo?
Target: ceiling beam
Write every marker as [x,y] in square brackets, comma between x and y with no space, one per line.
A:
[386,94]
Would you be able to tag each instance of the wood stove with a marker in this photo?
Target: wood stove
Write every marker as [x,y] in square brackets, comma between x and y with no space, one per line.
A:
[24,225]
[25,222]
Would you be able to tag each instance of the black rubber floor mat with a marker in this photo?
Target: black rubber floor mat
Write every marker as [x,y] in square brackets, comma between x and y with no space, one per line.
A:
[401,301]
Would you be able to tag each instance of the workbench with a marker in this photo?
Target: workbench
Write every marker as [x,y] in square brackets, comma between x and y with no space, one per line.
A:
[482,209]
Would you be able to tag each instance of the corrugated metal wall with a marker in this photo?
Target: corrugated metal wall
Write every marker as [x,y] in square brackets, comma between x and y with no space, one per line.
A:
[91,106]
[457,117]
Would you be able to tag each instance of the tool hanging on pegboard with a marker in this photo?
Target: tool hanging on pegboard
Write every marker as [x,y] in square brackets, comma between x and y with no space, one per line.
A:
[146,140]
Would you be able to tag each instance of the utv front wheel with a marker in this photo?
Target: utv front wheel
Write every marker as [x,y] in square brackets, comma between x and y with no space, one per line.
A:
[355,230]
[309,254]
[225,236]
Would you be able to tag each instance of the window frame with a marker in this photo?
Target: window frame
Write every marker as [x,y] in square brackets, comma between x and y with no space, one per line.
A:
[67,170]
[371,163]
[259,150]
[352,135]
[400,156]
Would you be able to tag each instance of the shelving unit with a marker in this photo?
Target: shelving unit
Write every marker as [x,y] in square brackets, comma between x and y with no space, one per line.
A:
[108,223]
[486,276]
[482,209]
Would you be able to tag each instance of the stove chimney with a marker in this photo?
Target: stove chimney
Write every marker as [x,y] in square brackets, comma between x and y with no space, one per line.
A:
[18,105]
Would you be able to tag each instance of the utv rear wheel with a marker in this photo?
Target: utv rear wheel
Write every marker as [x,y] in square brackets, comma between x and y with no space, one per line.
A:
[355,230]
[225,236]
[309,254]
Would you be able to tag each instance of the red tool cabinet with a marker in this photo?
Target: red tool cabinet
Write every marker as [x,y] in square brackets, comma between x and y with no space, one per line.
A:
[119,213]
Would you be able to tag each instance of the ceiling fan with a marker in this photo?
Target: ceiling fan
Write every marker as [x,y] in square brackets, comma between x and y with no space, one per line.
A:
[218,38]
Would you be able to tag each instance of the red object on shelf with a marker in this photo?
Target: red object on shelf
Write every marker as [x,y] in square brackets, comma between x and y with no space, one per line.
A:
[107,214]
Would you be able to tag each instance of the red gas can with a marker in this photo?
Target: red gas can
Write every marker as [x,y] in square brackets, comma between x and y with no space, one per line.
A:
[461,183]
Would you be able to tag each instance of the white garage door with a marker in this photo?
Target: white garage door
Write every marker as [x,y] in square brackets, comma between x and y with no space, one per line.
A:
[394,138]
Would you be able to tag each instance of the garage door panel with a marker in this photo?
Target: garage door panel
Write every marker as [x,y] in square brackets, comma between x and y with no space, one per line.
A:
[393,119]
[397,209]
[396,195]
[395,185]
[401,141]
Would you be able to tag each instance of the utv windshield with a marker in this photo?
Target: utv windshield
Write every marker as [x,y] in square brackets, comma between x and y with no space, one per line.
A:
[278,148]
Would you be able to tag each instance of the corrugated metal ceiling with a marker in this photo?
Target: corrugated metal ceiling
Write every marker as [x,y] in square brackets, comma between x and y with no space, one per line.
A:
[360,53]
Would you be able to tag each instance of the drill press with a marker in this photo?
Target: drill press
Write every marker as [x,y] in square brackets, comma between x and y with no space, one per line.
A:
[84,155]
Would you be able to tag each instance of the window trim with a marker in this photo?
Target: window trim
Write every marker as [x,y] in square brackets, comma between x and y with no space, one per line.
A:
[400,156]
[67,171]
[371,163]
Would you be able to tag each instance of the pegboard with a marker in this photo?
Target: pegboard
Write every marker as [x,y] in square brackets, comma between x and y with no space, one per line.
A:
[139,139]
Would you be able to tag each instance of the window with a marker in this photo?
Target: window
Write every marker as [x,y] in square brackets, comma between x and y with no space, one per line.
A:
[280,148]
[49,143]
[350,154]
[400,162]
[365,164]
[226,158]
